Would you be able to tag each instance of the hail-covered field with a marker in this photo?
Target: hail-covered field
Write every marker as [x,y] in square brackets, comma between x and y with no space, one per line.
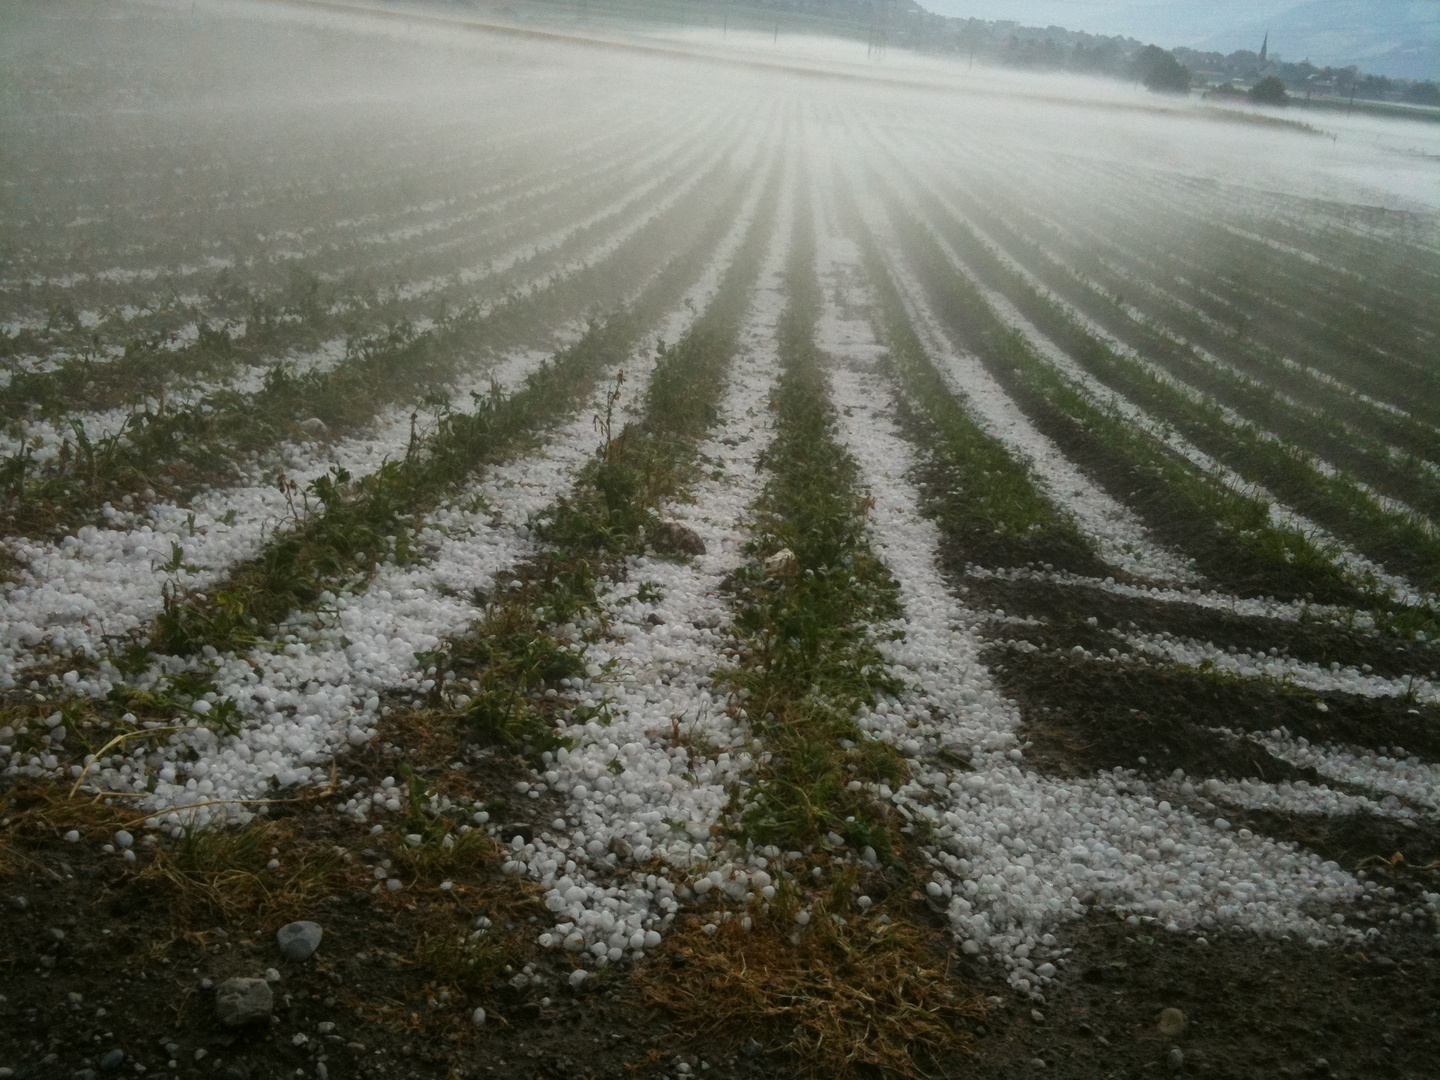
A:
[1013,501]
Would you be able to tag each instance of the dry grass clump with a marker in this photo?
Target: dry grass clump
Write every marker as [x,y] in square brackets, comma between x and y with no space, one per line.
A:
[227,871]
[443,853]
[464,961]
[845,997]
[34,813]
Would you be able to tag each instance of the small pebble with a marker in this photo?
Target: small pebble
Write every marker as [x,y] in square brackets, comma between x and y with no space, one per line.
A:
[241,1001]
[752,1048]
[299,940]
[1171,1022]
[1175,1059]
[478,1016]
[112,1061]
[73,836]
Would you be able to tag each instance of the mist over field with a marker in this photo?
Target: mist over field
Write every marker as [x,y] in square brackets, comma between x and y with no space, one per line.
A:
[538,537]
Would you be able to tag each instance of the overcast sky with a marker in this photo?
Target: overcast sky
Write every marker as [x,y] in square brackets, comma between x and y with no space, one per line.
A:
[1165,22]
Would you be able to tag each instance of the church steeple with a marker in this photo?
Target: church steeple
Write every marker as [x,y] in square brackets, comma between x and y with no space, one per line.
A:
[1265,46]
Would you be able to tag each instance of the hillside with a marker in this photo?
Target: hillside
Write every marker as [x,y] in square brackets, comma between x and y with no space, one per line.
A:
[1400,39]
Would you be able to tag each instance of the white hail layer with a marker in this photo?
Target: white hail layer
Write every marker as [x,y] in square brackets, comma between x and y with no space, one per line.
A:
[668,793]
[111,422]
[45,437]
[1155,371]
[1088,233]
[690,171]
[1282,516]
[303,700]
[1122,540]
[1407,777]
[1018,851]
[529,185]
[104,582]
[1247,607]
[306,699]
[1333,677]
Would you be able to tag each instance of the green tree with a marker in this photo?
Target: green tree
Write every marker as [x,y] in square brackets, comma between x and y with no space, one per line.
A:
[1423,93]
[1161,72]
[1269,91]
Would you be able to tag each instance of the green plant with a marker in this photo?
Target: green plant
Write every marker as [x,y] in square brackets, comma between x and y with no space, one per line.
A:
[809,660]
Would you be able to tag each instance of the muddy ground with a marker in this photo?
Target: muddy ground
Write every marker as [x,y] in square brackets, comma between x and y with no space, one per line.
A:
[102,956]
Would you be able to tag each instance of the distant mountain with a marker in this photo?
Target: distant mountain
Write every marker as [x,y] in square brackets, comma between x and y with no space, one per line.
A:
[1165,22]
[1387,37]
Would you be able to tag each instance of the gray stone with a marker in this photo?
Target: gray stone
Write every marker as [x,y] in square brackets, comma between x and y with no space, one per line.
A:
[1171,1022]
[112,1061]
[1175,1059]
[672,538]
[79,1074]
[243,1001]
[752,1048]
[782,564]
[298,940]
[314,427]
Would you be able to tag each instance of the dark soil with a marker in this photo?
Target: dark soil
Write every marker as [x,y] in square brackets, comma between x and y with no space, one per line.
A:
[1309,640]
[969,537]
[124,972]
[1116,714]
[127,976]
[1254,1008]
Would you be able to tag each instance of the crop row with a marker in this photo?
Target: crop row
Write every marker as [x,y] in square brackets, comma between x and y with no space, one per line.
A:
[512,242]
[184,445]
[1394,537]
